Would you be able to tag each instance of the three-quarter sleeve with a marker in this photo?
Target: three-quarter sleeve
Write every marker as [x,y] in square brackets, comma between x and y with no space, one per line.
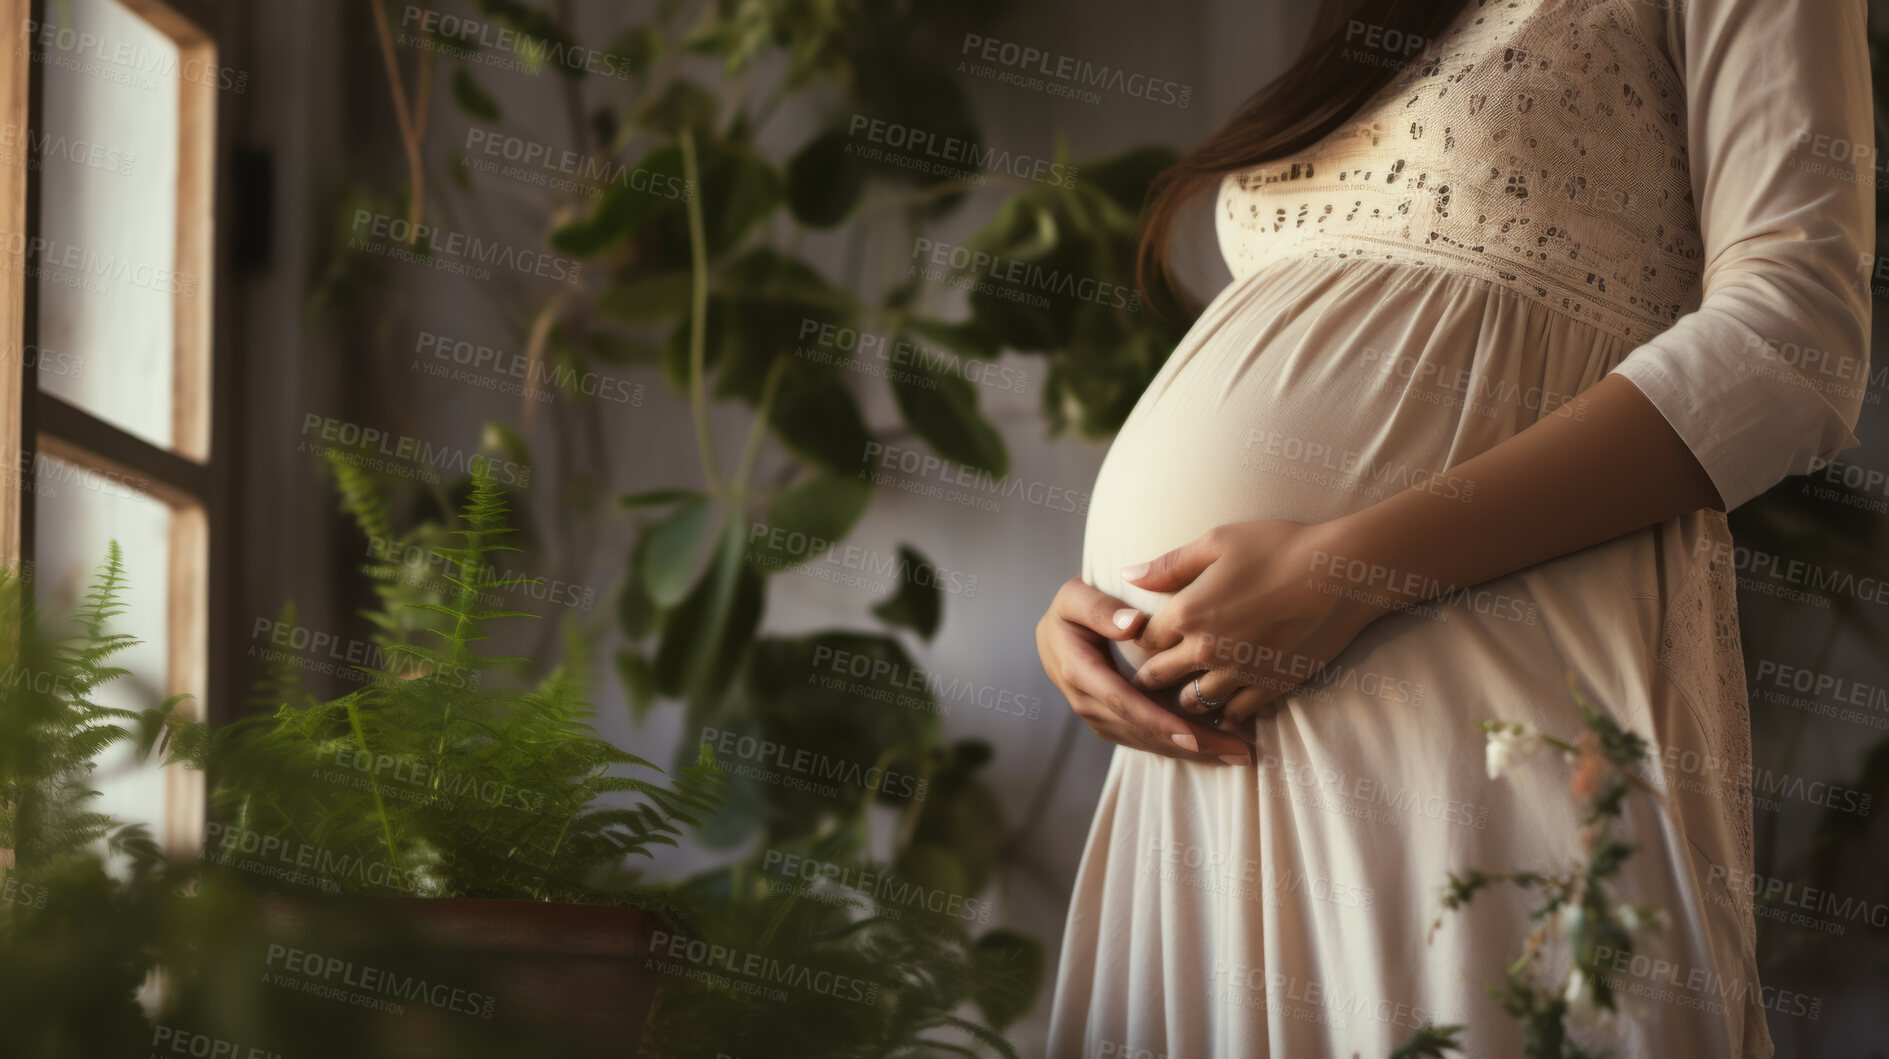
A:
[1766,378]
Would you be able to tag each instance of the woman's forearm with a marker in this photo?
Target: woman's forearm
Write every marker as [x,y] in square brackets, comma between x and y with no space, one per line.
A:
[1604,464]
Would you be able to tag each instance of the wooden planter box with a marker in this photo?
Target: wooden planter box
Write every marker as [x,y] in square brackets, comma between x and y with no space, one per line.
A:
[567,980]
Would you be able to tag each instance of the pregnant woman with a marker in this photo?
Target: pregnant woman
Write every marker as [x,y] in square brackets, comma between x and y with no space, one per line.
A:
[1527,294]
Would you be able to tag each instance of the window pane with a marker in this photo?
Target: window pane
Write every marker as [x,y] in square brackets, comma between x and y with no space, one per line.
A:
[107,158]
[79,514]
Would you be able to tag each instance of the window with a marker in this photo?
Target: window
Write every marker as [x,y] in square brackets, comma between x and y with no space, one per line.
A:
[109,218]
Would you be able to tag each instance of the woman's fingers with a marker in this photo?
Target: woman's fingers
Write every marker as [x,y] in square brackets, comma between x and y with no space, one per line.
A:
[1095,610]
[1105,723]
[1168,667]
[1245,703]
[1215,686]
[1179,618]
[1172,572]
[1162,731]
[1070,640]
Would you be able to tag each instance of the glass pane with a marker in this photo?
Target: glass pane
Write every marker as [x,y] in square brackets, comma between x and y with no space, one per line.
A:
[107,158]
[79,514]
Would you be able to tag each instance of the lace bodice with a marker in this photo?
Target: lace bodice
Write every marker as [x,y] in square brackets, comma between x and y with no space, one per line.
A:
[1538,144]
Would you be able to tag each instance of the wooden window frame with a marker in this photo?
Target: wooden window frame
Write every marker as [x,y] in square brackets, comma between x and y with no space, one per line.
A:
[183,476]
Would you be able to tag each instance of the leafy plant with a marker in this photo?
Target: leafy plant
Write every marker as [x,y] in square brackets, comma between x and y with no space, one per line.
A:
[1578,912]
[921,967]
[434,779]
[76,940]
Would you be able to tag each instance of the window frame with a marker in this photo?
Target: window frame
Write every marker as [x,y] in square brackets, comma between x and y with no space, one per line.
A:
[191,477]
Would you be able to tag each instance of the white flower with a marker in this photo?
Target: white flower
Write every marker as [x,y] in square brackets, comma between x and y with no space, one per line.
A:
[1568,920]
[1582,1011]
[1508,742]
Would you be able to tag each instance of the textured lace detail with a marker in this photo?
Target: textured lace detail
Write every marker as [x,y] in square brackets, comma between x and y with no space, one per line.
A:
[1701,654]
[1538,144]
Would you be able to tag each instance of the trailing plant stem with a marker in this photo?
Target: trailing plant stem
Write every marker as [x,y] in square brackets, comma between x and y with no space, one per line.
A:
[698,315]
[411,125]
[751,452]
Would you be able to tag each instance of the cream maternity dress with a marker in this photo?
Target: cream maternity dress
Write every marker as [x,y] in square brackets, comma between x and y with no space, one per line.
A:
[1553,191]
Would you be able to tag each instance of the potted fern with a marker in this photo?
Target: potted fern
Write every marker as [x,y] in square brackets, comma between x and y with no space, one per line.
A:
[460,818]
[92,912]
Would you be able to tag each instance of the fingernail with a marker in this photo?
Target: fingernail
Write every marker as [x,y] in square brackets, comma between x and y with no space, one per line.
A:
[1125,617]
[1135,572]
[1187,742]
[1236,759]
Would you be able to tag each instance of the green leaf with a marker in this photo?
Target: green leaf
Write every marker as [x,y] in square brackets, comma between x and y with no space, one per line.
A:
[931,868]
[756,315]
[898,85]
[1094,385]
[471,97]
[824,181]
[768,303]
[919,602]
[1009,972]
[639,681]
[154,727]
[941,407]
[653,299]
[542,41]
[636,611]
[848,696]
[1430,1042]
[805,521]
[684,104]
[1026,230]
[963,814]
[818,417]
[635,198]
[706,634]
[765,274]
[636,48]
[739,188]
[966,338]
[674,551]
[675,354]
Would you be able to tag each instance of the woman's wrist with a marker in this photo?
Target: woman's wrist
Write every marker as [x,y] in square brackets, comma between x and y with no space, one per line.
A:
[1400,547]
[1355,560]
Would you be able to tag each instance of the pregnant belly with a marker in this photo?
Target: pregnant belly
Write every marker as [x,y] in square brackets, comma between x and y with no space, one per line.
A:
[1313,390]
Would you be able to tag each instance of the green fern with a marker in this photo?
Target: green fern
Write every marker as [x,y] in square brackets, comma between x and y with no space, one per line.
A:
[52,728]
[437,775]
[75,942]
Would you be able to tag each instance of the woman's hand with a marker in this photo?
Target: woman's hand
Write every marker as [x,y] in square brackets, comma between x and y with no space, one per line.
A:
[1071,639]
[1260,608]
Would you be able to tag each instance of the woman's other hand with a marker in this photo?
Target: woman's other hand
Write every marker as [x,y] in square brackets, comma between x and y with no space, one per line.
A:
[1259,608]
[1071,640]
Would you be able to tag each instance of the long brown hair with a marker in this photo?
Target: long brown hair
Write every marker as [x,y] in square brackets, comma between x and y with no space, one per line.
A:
[1322,88]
